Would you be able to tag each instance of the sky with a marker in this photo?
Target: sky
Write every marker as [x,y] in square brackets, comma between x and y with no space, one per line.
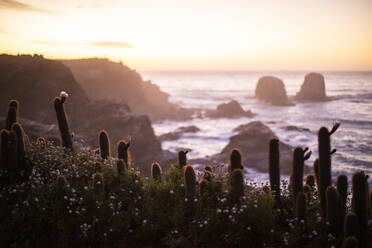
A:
[195,34]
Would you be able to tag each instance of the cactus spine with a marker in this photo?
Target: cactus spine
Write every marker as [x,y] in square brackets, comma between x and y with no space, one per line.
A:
[182,159]
[235,160]
[334,214]
[274,168]
[12,114]
[342,186]
[190,182]
[237,185]
[156,171]
[324,148]
[359,205]
[104,144]
[301,206]
[351,225]
[64,129]
[123,151]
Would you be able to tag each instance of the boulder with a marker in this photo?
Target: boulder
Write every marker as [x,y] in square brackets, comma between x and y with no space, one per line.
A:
[253,141]
[176,134]
[231,109]
[295,128]
[272,90]
[313,88]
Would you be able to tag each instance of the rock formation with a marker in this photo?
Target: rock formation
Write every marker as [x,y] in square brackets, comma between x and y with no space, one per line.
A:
[313,88]
[231,109]
[272,90]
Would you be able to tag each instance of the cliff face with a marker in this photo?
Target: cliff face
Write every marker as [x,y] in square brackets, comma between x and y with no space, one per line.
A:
[35,81]
[105,79]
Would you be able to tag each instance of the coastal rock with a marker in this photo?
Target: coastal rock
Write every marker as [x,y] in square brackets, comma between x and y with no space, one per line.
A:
[231,109]
[295,128]
[313,88]
[272,90]
[176,134]
[253,141]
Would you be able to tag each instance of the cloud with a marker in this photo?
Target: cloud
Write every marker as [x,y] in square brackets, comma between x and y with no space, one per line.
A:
[56,43]
[16,5]
[117,44]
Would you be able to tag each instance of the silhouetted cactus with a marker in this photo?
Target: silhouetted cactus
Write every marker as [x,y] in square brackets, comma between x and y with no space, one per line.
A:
[310,180]
[235,160]
[342,185]
[237,185]
[98,186]
[301,208]
[203,188]
[104,144]
[64,129]
[350,242]
[351,225]
[4,147]
[61,183]
[324,148]
[182,159]
[359,205]
[12,114]
[123,151]
[208,168]
[17,128]
[13,153]
[156,171]
[121,166]
[274,168]
[317,173]
[190,182]
[297,175]
[207,175]
[334,214]
[41,142]
[308,192]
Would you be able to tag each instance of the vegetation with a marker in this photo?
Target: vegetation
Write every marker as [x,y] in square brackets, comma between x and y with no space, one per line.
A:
[52,196]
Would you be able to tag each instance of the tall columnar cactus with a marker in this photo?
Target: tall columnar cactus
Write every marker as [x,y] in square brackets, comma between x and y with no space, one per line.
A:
[104,144]
[41,142]
[237,185]
[182,159]
[208,168]
[334,214]
[156,171]
[190,182]
[207,175]
[301,207]
[324,148]
[4,147]
[359,204]
[61,184]
[123,151]
[308,192]
[203,188]
[98,184]
[12,114]
[64,129]
[350,242]
[351,225]
[342,185]
[121,166]
[17,128]
[13,165]
[297,175]
[235,160]
[310,180]
[274,168]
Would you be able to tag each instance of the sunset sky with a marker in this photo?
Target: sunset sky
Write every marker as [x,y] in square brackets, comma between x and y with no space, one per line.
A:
[195,34]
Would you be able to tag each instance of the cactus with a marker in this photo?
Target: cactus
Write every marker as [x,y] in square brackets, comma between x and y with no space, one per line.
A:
[207,175]
[61,183]
[98,166]
[64,129]
[351,225]
[316,172]
[121,166]
[324,148]
[12,114]
[310,180]
[41,142]
[123,151]
[156,171]
[190,182]
[297,175]
[308,191]
[237,185]
[235,160]
[98,185]
[301,207]
[182,159]
[350,242]
[17,128]
[104,144]
[274,168]
[359,204]
[334,214]
[13,153]
[203,188]
[4,147]
[208,168]
[342,186]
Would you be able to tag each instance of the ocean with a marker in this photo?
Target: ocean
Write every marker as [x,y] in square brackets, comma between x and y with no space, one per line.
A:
[352,107]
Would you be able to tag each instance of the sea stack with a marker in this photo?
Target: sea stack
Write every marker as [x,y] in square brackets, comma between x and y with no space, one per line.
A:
[313,88]
[272,90]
